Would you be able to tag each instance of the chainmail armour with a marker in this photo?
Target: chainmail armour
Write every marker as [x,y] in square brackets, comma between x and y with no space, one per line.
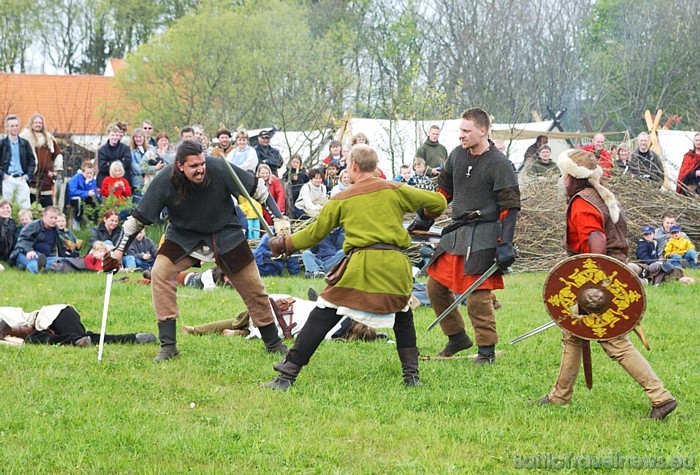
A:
[206,218]
[486,183]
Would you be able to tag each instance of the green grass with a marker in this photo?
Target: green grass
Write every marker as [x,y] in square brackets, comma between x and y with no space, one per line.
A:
[63,412]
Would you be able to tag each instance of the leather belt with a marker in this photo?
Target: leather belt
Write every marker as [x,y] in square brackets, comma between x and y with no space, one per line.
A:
[17,175]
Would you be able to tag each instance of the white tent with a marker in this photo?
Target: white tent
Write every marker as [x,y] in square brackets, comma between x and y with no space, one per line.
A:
[674,144]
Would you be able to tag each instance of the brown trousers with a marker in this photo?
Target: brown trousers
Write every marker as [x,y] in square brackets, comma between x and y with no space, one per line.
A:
[247,282]
[479,308]
[619,349]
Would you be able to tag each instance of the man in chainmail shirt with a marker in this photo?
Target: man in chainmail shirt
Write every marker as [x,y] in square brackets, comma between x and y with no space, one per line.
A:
[476,177]
[203,226]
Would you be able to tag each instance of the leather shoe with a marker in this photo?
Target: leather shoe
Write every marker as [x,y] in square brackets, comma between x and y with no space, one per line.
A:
[482,360]
[5,329]
[453,347]
[83,342]
[543,401]
[660,412]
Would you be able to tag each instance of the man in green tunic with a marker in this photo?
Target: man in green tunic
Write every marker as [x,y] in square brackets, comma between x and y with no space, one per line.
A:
[376,286]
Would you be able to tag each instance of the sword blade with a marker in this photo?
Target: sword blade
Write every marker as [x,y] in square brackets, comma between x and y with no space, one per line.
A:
[466,293]
[105,308]
[587,366]
[533,332]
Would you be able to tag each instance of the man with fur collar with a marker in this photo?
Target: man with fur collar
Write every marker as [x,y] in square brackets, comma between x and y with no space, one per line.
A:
[596,224]
[49,160]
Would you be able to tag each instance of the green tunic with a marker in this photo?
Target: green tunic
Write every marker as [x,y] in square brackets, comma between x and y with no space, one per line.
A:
[371,211]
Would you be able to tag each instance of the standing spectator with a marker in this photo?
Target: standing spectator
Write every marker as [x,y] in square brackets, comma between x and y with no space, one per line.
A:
[155,159]
[144,251]
[344,155]
[139,147]
[679,249]
[646,247]
[343,183]
[321,258]
[295,177]
[113,151]
[531,152]
[626,164]
[49,160]
[274,187]
[115,184]
[334,153]
[198,130]
[224,145]
[39,245]
[17,164]
[420,176]
[543,168]
[597,147]
[433,152]
[312,196]
[650,165]
[243,155]
[689,174]
[267,154]
[8,228]
[147,127]
[82,190]
[186,133]
[332,177]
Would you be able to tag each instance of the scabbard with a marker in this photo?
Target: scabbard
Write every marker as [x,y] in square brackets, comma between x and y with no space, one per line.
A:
[587,367]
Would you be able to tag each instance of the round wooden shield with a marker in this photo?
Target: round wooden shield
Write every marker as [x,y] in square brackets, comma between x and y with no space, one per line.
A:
[595,297]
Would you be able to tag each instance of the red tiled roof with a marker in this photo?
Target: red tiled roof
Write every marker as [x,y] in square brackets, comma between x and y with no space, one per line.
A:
[81,104]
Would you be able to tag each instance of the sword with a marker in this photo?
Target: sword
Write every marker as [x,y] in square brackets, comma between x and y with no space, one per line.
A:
[466,294]
[533,332]
[245,194]
[105,308]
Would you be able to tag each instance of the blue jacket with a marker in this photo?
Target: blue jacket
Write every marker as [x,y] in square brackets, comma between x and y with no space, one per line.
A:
[646,251]
[330,245]
[267,265]
[77,186]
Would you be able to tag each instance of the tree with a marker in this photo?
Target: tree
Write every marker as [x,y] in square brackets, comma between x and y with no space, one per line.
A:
[16,21]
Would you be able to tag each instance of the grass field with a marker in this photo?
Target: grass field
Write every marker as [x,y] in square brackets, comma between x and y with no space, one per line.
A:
[63,412]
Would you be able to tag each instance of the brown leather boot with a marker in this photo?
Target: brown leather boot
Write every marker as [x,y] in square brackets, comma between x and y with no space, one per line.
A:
[663,410]
[18,332]
[409,365]
[288,373]
[456,343]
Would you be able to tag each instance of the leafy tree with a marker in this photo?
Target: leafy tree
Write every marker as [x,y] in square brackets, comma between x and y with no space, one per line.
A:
[16,20]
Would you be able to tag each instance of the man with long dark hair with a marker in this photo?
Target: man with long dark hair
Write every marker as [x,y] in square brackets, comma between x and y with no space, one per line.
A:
[203,226]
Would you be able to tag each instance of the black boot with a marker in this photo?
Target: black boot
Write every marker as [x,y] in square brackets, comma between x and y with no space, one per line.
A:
[409,365]
[288,373]
[272,340]
[486,355]
[456,343]
[167,332]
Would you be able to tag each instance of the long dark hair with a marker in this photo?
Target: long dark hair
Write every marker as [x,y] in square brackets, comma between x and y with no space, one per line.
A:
[183,186]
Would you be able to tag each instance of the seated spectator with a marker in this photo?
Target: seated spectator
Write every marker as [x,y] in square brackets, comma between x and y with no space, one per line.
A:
[420,177]
[332,177]
[82,191]
[321,258]
[243,155]
[626,164]
[343,183]
[294,178]
[155,159]
[689,173]
[275,188]
[662,234]
[650,165]
[312,196]
[597,148]
[144,251]
[38,245]
[110,232]
[57,325]
[531,152]
[115,184]
[405,176]
[543,168]
[224,145]
[359,138]
[24,217]
[646,247]
[93,259]
[661,273]
[274,267]
[679,249]
[8,228]
[71,243]
[334,153]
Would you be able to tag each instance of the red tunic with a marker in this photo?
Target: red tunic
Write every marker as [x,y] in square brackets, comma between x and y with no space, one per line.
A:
[584,219]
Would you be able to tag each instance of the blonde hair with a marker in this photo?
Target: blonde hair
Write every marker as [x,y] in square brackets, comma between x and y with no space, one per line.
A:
[99,246]
[116,166]
[365,157]
[241,133]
